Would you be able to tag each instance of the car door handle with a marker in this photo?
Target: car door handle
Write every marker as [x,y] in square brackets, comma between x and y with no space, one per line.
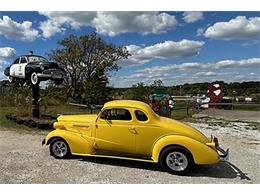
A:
[132,130]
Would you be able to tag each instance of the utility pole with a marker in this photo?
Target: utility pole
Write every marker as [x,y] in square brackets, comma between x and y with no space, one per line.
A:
[35,101]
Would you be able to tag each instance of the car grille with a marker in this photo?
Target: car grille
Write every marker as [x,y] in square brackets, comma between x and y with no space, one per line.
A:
[53,72]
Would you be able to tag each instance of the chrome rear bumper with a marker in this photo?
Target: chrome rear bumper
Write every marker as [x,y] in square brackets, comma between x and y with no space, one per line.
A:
[224,155]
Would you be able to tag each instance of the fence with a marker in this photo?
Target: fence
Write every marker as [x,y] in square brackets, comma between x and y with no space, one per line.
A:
[183,108]
[186,108]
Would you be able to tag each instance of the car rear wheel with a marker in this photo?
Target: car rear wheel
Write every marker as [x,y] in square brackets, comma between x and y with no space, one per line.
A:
[34,78]
[176,160]
[59,148]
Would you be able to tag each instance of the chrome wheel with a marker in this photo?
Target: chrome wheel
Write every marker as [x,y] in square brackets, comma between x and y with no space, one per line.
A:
[34,78]
[59,149]
[177,161]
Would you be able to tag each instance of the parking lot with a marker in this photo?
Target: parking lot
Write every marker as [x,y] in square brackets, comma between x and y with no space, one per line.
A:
[24,160]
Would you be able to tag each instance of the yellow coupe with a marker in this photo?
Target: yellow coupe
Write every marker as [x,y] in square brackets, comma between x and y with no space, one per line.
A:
[128,129]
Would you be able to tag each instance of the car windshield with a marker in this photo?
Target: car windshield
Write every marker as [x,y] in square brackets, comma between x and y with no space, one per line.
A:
[37,59]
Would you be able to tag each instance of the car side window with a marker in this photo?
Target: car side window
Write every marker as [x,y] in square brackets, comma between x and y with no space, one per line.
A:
[141,116]
[17,61]
[23,60]
[116,114]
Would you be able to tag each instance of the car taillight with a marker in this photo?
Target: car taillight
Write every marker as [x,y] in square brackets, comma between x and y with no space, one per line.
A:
[215,140]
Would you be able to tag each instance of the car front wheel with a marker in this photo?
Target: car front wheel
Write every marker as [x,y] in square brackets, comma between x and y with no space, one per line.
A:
[34,78]
[59,148]
[176,160]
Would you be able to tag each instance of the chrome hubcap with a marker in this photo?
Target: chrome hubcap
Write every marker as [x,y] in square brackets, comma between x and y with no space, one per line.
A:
[59,148]
[177,161]
[34,78]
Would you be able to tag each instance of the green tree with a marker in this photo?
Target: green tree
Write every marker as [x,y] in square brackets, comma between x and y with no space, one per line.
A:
[20,96]
[96,90]
[86,58]
[139,92]
[157,87]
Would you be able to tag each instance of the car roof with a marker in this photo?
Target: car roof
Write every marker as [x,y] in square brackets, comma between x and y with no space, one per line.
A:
[132,104]
[30,56]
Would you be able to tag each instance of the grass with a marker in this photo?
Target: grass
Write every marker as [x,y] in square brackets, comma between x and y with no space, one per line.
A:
[5,122]
[8,123]
[67,109]
[249,107]
[52,110]
[180,113]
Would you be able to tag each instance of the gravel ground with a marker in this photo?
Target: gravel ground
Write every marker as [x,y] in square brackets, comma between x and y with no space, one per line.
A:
[231,115]
[24,160]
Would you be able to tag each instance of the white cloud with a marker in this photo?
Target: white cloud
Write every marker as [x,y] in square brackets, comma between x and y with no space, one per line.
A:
[108,23]
[251,43]
[227,70]
[50,28]
[237,28]
[200,31]
[2,62]
[58,20]
[115,23]
[168,49]
[7,52]
[206,74]
[13,30]
[245,63]
[70,18]
[192,16]
[194,66]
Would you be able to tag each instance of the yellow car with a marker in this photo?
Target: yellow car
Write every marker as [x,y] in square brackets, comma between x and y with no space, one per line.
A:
[128,129]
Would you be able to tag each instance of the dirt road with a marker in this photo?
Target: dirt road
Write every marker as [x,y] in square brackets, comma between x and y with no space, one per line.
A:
[24,160]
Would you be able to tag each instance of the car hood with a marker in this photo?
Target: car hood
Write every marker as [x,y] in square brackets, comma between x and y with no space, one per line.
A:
[179,128]
[77,118]
[46,65]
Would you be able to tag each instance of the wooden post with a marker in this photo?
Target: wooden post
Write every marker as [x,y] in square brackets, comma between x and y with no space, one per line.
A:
[188,106]
[35,101]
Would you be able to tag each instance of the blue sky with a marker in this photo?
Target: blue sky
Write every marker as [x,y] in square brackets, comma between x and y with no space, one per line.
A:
[176,47]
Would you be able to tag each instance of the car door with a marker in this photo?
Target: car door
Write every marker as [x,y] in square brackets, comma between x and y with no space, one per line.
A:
[147,133]
[114,134]
[21,67]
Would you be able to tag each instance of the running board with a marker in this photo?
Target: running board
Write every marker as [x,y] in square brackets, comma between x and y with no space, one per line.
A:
[115,157]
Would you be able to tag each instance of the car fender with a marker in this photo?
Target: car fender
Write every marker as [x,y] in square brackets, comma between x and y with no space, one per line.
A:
[12,70]
[77,144]
[202,154]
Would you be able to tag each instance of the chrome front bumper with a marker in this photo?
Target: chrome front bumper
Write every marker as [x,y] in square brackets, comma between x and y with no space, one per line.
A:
[52,73]
[53,76]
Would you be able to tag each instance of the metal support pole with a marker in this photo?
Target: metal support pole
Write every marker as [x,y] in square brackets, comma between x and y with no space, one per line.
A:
[35,101]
